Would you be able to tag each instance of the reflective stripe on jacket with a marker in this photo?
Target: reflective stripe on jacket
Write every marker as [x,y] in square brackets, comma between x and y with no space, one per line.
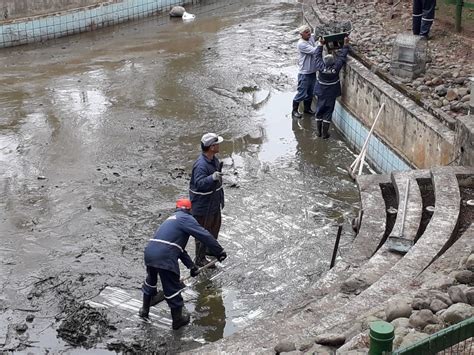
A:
[170,240]
[206,195]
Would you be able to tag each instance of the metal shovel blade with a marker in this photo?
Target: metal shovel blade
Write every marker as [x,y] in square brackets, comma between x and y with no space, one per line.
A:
[399,244]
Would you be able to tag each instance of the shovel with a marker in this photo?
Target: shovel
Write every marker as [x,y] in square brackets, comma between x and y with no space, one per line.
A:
[160,296]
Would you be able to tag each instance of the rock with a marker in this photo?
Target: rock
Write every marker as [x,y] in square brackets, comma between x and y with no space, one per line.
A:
[177,11]
[441,90]
[437,305]
[400,323]
[21,327]
[30,318]
[421,319]
[466,98]
[457,312]
[411,338]
[459,81]
[399,308]
[358,342]
[423,88]
[352,285]
[330,339]
[451,94]
[470,263]
[461,92]
[457,295]
[400,333]
[465,277]
[420,303]
[470,296]
[285,347]
[305,347]
[436,81]
[432,328]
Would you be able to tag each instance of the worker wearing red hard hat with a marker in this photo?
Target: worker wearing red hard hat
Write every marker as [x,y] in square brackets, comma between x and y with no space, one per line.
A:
[161,258]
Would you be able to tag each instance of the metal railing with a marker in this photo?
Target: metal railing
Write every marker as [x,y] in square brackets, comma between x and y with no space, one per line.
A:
[456,339]
[459,5]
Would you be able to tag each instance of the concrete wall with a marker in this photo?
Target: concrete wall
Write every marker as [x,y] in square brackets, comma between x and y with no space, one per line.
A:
[465,140]
[406,128]
[12,9]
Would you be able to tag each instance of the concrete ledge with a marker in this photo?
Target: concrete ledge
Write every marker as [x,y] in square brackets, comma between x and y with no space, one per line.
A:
[372,227]
[431,243]
[414,204]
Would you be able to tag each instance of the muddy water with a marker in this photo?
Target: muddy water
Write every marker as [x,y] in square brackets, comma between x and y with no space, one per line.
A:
[98,134]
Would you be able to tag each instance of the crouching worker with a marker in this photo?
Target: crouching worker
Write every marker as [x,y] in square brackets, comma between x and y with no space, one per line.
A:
[328,86]
[161,258]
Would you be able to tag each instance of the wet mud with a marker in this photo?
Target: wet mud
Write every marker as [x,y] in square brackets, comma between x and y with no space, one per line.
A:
[98,134]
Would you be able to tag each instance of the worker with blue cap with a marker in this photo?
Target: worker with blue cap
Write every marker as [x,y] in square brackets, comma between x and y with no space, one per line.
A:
[328,86]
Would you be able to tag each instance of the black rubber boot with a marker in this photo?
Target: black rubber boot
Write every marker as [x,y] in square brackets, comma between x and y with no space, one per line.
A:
[307,107]
[295,112]
[179,319]
[319,125]
[143,312]
[159,297]
[326,134]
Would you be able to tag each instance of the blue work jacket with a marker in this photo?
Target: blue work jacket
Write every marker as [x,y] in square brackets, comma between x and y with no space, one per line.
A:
[170,240]
[206,195]
[327,79]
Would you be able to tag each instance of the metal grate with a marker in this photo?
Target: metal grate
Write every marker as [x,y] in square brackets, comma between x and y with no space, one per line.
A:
[456,339]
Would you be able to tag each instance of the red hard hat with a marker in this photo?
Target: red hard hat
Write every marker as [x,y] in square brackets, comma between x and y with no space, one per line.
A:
[183,203]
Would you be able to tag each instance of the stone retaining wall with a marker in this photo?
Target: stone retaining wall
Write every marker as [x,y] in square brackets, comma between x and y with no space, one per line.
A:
[411,131]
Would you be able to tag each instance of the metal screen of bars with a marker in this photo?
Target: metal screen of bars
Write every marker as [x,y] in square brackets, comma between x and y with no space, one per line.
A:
[456,339]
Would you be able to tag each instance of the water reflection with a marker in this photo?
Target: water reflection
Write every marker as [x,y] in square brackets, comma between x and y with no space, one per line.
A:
[210,310]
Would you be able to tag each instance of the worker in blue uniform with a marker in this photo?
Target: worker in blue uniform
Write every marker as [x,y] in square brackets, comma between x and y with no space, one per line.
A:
[161,258]
[328,86]
[206,191]
[423,16]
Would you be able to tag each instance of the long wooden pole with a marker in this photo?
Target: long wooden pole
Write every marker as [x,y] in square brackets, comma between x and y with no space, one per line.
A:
[353,166]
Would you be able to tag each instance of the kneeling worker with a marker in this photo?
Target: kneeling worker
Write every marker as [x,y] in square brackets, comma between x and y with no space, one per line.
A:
[161,258]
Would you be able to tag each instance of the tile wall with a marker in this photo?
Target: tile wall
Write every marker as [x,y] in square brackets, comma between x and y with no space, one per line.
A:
[381,157]
[42,28]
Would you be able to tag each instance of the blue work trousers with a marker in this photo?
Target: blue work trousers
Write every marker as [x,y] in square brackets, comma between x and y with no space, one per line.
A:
[170,282]
[325,108]
[423,16]
[305,87]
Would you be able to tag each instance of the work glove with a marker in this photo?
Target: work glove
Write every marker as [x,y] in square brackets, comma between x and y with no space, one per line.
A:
[194,271]
[222,256]
[217,176]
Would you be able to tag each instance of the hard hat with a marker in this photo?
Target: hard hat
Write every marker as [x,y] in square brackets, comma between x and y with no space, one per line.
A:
[183,203]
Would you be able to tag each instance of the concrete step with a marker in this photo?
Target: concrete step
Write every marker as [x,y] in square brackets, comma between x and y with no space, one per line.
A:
[398,279]
[409,219]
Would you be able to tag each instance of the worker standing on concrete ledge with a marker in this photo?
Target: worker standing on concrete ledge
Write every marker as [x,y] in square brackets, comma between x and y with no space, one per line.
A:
[328,86]
[423,16]
[161,258]
[306,73]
